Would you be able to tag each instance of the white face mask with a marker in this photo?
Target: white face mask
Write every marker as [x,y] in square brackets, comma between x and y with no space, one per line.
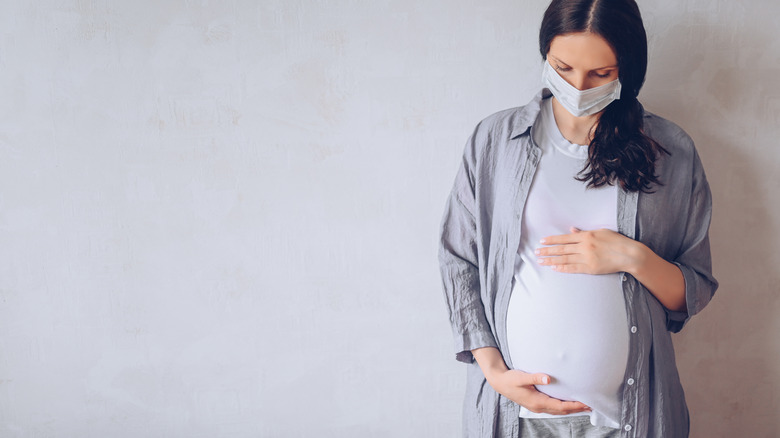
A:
[579,103]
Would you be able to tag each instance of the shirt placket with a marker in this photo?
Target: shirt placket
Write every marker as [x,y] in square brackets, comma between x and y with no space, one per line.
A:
[629,423]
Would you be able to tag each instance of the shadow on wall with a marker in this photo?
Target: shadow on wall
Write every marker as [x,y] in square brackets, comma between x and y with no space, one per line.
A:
[719,83]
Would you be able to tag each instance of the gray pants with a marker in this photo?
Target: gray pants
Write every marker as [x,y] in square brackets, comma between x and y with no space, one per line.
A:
[569,427]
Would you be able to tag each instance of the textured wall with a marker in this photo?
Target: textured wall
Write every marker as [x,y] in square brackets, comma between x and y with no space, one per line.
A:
[219,218]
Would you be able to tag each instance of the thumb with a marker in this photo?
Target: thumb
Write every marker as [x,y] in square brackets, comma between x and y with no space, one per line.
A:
[539,379]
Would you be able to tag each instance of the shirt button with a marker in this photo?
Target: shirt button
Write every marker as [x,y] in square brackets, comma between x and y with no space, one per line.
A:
[627,428]
[633,329]
[624,277]
[630,381]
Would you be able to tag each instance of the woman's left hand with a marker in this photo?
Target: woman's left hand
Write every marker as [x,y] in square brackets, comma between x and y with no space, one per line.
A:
[589,252]
[605,252]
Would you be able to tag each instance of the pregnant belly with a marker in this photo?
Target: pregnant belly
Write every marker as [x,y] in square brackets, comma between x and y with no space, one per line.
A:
[575,330]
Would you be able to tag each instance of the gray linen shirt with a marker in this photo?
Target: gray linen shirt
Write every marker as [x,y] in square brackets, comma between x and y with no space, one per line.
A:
[480,235]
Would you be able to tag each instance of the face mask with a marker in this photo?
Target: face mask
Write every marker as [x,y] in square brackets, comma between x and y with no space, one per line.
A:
[579,103]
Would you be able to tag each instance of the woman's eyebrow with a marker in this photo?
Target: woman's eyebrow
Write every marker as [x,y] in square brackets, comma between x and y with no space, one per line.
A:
[567,65]
[558,60]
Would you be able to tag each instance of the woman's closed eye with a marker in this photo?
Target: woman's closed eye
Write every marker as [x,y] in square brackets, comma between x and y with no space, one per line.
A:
[593,73]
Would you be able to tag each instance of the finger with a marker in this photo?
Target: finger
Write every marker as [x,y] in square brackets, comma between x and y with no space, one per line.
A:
[527,379]
[572,268]
[560,239]
[557,250]
[549,405]
[570,407]
[574,230]
[561,260]
[560,407]
[539,379]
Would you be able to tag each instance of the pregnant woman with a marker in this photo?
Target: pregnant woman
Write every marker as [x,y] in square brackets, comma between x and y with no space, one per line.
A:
[574,241]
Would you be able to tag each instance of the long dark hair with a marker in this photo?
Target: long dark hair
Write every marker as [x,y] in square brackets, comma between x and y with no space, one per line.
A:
[620,151]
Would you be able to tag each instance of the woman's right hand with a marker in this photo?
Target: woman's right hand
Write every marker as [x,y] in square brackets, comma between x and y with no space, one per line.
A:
[518,386]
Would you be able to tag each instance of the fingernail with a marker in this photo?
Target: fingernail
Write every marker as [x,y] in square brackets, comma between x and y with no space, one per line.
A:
[545,380]
[538,251]
[543,241]
[540,261]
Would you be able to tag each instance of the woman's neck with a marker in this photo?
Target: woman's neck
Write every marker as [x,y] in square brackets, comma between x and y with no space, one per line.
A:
[577,130]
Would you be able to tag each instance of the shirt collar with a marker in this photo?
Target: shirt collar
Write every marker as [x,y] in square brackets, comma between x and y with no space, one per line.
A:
[527,115]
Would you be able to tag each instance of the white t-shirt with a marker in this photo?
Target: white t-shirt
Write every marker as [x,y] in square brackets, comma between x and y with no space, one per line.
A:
[572,327]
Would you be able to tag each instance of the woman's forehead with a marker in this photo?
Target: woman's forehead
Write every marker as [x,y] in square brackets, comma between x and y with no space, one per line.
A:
[584,50]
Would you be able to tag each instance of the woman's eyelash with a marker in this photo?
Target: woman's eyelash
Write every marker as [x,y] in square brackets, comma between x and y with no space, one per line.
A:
[562,69]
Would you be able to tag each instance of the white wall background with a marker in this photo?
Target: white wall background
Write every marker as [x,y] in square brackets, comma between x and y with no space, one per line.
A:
[219,218]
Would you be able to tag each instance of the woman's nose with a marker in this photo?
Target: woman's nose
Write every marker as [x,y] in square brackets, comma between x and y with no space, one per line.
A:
[580,82]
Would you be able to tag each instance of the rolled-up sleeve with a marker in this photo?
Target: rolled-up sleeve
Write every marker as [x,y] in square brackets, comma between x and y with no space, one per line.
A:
[459,261]
[695,260]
